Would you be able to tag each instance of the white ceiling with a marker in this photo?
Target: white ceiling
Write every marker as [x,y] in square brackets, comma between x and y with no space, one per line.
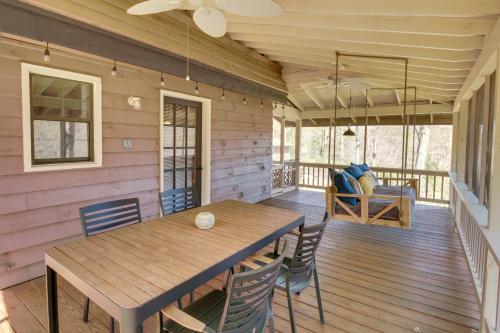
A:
[441,38]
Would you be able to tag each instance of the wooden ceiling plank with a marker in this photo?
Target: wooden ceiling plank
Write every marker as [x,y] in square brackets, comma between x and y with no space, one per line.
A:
[447,26]
[446,8]
[295,101]
[359,36]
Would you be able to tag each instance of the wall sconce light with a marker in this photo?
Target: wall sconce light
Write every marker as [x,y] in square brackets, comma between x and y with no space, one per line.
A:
[134,102]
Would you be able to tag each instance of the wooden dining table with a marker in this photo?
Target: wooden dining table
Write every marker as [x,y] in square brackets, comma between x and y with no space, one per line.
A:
[133,272]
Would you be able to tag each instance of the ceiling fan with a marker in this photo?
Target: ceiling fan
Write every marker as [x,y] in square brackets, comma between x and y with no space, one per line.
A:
[208,14]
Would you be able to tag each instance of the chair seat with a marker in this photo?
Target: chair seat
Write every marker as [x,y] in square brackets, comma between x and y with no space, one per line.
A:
[207,309]
[297,282]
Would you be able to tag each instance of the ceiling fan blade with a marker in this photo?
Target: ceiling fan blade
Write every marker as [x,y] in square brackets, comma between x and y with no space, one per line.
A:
[256,8]
[211,21]
[154,6]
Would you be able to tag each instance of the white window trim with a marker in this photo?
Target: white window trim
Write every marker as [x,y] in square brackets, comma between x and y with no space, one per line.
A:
[26,70]
[206,118]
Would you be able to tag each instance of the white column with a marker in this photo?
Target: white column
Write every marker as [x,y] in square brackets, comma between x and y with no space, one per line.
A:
[454,141]
[494,198]
[298,142]
[462,140]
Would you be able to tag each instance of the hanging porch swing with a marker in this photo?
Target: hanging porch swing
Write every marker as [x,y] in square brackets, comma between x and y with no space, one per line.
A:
[388,205]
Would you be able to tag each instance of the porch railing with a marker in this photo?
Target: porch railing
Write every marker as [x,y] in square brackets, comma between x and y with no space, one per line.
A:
[434,185]
[284,177]
[482,250]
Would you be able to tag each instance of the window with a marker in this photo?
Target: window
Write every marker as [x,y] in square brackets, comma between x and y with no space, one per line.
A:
[61,119]
[276,139]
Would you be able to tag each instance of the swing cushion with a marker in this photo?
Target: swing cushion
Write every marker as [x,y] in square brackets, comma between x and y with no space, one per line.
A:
[354,171]
[344,186]
[364,167]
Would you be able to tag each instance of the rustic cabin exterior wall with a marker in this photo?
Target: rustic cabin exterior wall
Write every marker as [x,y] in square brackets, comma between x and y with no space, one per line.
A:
[40,209]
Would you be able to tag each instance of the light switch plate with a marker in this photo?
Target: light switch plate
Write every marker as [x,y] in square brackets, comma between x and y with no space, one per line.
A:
[127,143]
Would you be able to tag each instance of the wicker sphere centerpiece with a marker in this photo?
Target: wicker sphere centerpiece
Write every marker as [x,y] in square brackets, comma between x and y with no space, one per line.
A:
[204,220]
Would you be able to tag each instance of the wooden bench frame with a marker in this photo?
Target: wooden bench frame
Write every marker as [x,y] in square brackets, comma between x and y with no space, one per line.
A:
[404,222]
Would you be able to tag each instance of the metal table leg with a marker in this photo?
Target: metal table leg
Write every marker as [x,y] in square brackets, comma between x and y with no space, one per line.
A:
[51,280]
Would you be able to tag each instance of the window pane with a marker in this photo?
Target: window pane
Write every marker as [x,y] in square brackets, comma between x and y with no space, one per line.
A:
[276,138]
[56,139]
[47,139]
[77,140]
[60,99]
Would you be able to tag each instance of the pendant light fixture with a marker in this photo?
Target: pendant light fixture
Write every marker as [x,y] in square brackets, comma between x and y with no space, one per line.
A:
[261,103]
[196,89]
[114,70]
[349,131]
[46,54]
[245,99]
[223,94]
[162,81]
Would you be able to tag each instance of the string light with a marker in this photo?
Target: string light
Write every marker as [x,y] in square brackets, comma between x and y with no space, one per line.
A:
[196,90]
[261,103]
[113,72]
[187,47]
[162,81]
[223,94]
[46,53]
[245,99]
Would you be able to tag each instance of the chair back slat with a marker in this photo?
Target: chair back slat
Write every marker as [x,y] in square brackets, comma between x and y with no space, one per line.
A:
[302,263]
[249,298]
[177,200]
[109,215]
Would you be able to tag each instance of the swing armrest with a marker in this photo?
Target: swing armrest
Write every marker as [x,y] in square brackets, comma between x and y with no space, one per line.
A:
[412,182]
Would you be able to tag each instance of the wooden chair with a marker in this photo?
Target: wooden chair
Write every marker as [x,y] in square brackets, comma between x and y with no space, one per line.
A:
[101,217]
[245,307]
[299,270]
[177,200]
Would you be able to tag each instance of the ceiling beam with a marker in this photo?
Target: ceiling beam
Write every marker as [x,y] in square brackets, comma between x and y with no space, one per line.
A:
[313,95]
[447,26]
[358,36]
[369,98]
[290,113]
[295,101]
[341,99]
[363,48]
[377,111]
[398,98]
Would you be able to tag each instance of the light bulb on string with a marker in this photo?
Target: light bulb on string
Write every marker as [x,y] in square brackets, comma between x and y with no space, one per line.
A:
[261,103]
[245,99]
[162,81]
[223,94]
[46,54]
[113,72]
[196,90]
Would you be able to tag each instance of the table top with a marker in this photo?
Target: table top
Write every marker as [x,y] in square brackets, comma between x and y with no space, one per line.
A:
[150,264]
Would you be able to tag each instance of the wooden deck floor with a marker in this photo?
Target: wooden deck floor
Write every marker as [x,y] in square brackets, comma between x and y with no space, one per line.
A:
[373,279]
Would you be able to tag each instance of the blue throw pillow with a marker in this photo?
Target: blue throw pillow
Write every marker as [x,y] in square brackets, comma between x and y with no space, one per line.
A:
[354,171]
[364,167]
[343,186]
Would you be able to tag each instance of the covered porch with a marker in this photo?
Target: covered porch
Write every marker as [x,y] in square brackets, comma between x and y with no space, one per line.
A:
[373,279]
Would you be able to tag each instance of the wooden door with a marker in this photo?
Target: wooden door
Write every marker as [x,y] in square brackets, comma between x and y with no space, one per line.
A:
[181,145]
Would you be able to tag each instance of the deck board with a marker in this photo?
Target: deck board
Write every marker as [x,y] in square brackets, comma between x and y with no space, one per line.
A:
[373,279]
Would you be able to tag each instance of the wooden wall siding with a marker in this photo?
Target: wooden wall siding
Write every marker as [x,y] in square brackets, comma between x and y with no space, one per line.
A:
[38,210]
[168,31]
